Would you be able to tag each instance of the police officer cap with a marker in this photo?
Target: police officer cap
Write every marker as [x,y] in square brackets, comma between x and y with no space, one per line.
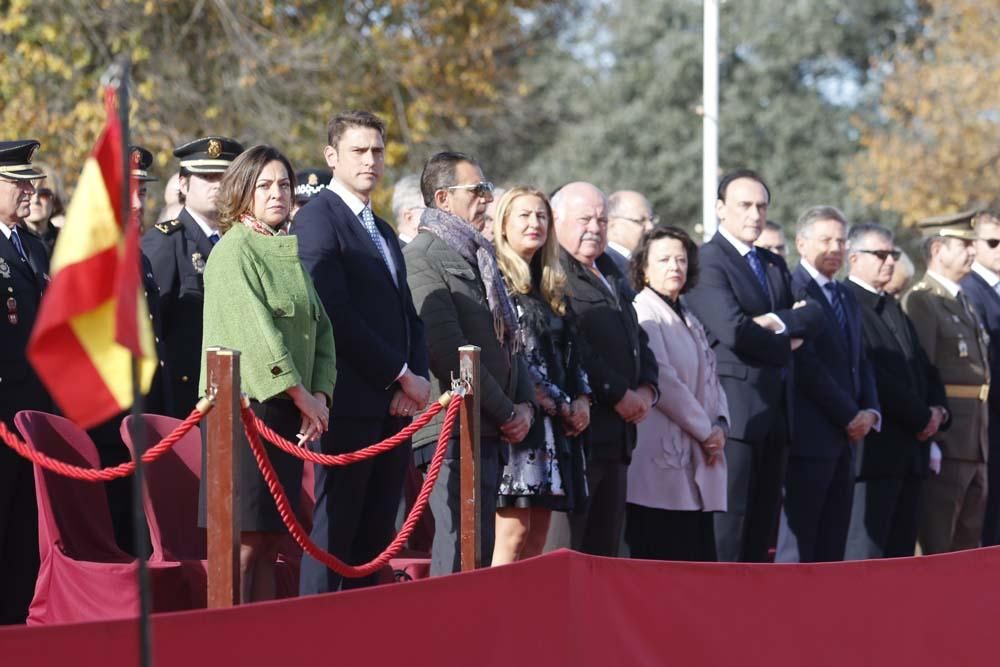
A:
[954,225]
[309,183]
[140,160]
[208,155]
[15,160]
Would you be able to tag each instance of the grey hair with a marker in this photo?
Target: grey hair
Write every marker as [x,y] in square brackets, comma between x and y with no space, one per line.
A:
[862,231]
[773,226]
[905,264]
[406,195]
[814,214]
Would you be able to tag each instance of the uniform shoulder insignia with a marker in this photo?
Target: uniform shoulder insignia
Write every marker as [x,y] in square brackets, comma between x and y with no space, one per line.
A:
[169,227]
[921,286]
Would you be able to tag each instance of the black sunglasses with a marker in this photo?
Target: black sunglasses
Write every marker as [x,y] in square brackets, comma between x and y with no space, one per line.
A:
[993,243]
[884,254]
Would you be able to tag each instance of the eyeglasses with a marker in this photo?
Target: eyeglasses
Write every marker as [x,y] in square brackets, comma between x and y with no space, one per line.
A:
[653,220]
[884,254]
[481,189]
[993,243]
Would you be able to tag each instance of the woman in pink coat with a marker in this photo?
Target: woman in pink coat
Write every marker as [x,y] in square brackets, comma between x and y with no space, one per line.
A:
[677,477]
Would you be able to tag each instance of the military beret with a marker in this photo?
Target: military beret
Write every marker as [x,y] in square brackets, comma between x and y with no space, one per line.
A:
[208,155]
[15,160]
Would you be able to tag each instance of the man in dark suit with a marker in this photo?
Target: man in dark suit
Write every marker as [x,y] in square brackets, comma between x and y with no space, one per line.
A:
[836,403]
[360,276]
[178,250]
[618,361]
[630,215]
[744,299]
[894,459]
[460,297]
[982,287]
[24,267]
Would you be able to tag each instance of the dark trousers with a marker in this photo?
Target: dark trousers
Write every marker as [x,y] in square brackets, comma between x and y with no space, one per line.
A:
[659,534]
[356,505]
[18,536]
[952,507]
[818,495]
[596,528]
[445,502]
[991,521]
[756,471]
[884,518]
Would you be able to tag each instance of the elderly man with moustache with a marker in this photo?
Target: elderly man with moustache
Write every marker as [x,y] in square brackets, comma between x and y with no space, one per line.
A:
[894,459]
[459,293]
[621,367]
[982,286]
[954,499]
[744,300]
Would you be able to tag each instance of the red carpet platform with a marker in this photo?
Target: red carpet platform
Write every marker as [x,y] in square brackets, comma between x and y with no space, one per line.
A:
[569,609]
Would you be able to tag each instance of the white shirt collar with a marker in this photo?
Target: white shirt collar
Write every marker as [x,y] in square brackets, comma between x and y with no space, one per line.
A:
[620,249]
[862,283]
[5,229]
[820,279]
[740,246]
[952,287]
[351,199]
[405,238]
[990,277]
[201,223]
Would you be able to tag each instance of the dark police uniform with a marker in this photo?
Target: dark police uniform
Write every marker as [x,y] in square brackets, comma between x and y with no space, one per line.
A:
[22,281]
[177,250]
[954,501]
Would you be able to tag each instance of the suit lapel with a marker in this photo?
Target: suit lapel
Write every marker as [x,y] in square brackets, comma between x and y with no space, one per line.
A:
[746,274]
[194,234]
[352,224]
[14,261]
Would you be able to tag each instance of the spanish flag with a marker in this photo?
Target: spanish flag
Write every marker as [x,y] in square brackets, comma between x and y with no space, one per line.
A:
[93,318]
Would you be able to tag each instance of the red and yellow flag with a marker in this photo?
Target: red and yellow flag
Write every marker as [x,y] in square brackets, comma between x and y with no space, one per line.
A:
[93,318]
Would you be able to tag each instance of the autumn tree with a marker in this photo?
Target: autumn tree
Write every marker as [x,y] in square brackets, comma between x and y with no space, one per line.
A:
[270,71]
[933,149]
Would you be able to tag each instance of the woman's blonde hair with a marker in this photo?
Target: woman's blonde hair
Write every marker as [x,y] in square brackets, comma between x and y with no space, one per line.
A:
[239,180]
[545,270]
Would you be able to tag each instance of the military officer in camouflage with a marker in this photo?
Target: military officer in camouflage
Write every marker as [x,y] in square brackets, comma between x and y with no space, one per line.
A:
[954,499]
[178,250]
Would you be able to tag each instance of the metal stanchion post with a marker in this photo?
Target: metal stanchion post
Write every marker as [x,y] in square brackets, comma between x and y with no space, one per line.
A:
[471,535]
[224,426]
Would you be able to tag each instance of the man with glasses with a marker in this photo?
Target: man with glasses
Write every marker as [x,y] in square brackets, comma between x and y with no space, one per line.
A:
[459,293]
[630,215]
[982,286]
[954,499]
[894,459]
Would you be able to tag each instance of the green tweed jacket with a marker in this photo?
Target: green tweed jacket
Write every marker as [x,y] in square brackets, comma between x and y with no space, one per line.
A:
[260,301]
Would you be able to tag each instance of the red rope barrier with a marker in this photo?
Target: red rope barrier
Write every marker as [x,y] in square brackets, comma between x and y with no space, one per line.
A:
[97,474]
[298,533]
[371,451]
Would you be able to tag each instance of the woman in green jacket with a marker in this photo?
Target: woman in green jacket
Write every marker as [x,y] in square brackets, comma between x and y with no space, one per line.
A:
[260,301]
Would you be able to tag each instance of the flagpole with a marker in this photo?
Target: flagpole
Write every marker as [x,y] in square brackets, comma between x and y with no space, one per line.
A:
[119,74]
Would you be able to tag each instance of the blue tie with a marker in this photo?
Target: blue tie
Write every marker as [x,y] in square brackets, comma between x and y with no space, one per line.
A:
[838,305]
[368,220]
[16,240]
[214,238]
[758,270]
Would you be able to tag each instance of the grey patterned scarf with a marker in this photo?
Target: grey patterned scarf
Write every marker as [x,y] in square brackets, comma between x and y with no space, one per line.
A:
[476,249]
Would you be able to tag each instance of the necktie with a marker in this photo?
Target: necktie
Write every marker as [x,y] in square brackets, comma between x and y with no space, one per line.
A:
[965,305]
[838,305]
[758,269]
[16,240]
[368,220]
[214,238]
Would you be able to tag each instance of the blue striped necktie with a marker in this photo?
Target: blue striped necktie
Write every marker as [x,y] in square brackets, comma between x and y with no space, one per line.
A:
[368,220]
[16,240]
[837,302]
[758,269]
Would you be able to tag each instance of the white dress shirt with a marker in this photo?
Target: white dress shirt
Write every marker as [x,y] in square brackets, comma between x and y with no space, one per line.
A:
[743,249]
[991,278]
[202,224]
[951,286]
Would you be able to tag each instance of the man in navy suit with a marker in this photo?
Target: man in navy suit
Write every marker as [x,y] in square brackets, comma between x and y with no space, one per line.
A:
[982,287]
[357,267]
[836,403]
[744,299]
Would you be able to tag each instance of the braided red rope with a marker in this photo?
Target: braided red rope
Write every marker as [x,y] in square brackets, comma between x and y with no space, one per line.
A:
[298,533]
[368,452]
[97,474]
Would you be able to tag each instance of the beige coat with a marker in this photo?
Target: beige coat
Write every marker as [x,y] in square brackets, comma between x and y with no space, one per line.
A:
[668,469]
